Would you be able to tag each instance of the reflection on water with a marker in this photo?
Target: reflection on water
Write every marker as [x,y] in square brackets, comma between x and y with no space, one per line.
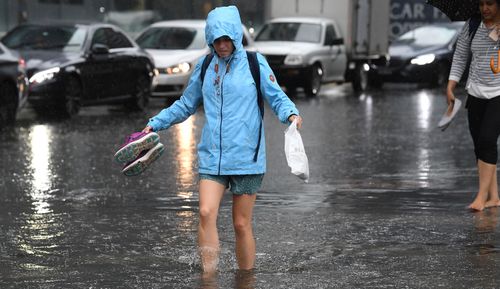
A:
[423,167]
[41,226]
[368,111]
[486,221]
[40,139]
[424,109]
[186,221]
[209,281]
[185,174]
[424,113]
[185,151]
[243,279]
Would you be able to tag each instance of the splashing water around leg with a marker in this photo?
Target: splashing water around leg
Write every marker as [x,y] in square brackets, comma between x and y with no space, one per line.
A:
[209,258]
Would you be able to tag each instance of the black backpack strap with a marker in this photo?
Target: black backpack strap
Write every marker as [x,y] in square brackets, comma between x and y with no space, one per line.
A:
[255,70]
[253,62]
[204,66]
[474,23]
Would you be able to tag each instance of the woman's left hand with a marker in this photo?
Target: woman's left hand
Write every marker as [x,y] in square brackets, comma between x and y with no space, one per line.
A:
[296,117]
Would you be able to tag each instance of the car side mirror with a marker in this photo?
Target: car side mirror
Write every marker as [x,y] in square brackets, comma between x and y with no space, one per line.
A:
[337,41]
[100,49]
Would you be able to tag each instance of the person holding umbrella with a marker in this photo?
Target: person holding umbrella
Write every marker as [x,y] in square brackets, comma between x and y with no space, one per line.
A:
[479,42]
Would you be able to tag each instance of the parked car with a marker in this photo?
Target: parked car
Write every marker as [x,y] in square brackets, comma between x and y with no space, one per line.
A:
[421,55]
[303,52]
[176,47]
[70,65]
[13,85]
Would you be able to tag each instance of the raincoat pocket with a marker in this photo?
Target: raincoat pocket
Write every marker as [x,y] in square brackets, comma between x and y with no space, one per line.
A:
[295,154]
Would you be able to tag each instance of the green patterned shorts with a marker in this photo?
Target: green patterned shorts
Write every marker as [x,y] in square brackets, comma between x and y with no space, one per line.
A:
[237,184]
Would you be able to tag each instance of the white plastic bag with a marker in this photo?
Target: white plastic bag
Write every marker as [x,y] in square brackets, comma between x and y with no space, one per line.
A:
[295,154]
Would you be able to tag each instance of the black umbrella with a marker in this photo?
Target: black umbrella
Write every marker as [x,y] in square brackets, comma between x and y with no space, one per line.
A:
[457,10]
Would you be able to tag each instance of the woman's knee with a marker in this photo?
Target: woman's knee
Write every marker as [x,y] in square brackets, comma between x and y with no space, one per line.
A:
[487,151]
[242,225]
[207,213]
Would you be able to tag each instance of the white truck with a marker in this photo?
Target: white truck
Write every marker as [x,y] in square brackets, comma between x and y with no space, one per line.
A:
[364,29]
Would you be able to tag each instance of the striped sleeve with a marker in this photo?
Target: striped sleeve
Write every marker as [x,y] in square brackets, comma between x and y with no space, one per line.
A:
[461,54]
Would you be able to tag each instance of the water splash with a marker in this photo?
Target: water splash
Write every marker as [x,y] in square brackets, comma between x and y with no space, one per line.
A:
[209,258]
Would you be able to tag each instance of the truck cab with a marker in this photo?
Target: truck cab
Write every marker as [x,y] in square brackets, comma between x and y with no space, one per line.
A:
[303,52]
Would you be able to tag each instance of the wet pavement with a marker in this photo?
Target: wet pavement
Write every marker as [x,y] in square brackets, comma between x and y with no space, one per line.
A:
[384,208]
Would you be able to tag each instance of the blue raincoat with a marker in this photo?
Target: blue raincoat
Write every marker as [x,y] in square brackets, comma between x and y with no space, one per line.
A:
[232,127]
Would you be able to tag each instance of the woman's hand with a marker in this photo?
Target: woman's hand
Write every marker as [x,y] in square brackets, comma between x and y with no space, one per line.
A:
[147,129]
[450,95]
[296,117]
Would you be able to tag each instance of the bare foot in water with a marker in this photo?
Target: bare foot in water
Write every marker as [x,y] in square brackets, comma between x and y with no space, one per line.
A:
[492,203]
[477,206]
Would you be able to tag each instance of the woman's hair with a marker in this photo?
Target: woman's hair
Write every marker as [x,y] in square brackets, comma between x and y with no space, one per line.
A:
[498,2]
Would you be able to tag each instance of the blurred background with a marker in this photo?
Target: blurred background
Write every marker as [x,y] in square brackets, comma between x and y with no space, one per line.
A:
[134,15]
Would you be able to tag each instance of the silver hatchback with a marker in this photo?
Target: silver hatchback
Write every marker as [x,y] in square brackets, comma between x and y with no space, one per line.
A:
[176,47]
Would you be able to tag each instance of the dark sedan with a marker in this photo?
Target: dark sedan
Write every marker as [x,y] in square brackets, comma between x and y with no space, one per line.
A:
[421,55]
[70,65]
[13,85]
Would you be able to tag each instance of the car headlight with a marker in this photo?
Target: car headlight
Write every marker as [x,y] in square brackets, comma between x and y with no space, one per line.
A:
[423,59]
[44,75]
[183,67]
[293,60]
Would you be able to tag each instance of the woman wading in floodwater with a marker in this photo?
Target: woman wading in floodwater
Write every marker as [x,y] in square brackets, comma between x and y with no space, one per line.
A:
[231,152]
[483,101]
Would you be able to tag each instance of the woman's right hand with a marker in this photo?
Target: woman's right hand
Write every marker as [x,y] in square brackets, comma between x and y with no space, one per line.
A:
[450,95]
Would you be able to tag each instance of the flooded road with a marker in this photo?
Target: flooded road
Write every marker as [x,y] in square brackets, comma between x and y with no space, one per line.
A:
[384,207]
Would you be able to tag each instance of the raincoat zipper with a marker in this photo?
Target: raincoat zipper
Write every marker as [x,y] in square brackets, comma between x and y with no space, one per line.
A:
[220,127]
[221,106]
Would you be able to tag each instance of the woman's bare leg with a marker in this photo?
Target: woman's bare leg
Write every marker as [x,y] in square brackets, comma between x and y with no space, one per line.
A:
[493,199]
[211,194]
[486,172]
[242,221]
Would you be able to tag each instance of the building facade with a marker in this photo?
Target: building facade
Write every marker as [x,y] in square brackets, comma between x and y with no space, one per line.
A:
[131,15]
[134,15]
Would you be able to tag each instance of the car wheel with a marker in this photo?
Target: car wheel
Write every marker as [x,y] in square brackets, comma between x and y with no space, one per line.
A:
[72,97]
[314,84]
[360,79]
[8,104]
[441,77]
[140,99]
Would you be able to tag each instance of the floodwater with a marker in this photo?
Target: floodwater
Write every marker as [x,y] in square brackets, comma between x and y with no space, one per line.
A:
[384,207]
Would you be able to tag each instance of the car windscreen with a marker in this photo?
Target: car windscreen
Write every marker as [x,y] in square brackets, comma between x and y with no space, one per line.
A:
[427,36]
[172,38]
[65,38]
[290,31]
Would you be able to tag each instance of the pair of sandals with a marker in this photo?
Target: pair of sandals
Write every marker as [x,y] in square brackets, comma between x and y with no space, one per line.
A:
[138,152]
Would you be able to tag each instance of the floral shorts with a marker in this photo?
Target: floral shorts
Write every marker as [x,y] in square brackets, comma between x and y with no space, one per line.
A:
[237,184]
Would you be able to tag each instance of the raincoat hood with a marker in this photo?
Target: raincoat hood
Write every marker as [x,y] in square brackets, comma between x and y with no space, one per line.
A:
[224,21]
